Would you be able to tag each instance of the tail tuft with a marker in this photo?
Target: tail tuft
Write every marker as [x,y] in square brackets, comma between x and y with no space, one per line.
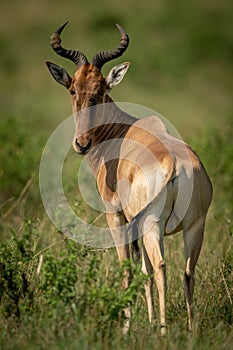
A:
[135,252]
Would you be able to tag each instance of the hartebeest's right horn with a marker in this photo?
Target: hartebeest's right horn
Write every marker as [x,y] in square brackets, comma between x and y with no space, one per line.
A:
[104,56]
[75,56]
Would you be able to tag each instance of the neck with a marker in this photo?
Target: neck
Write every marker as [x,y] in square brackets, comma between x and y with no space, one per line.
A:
[113,124]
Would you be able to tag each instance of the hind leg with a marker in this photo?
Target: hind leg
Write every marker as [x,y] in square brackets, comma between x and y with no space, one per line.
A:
[153,243]
[193,238]
[147,269]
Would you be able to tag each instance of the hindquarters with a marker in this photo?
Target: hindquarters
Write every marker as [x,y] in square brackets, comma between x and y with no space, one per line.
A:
[193,231]
[192,198]
[201,197]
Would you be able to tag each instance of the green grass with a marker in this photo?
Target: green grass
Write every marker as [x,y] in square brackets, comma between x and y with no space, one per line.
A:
[181,54]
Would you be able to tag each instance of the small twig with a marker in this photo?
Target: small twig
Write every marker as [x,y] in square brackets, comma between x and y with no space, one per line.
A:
[37,274]
[96,219]
[47,248]
[225,284]
[22,193]
[7,202]
[39,266]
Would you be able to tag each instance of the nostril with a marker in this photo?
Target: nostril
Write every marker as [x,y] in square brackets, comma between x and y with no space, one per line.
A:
[83,149]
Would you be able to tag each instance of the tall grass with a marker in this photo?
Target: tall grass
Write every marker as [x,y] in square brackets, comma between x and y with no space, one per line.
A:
[55,293]
[74,299]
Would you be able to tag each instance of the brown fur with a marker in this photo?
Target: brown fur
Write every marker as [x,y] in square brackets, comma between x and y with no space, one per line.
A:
[145,176]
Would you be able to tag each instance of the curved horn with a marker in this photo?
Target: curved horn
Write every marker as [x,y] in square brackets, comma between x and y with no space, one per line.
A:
[75,56]
[104,56]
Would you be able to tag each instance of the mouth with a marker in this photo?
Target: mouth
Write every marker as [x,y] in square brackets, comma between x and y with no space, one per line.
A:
[84,149]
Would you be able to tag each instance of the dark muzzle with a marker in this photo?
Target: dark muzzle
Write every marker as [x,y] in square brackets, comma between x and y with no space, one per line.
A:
[84,149]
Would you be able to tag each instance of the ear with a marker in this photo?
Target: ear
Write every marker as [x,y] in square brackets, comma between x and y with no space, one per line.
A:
[59,74]
[116,74]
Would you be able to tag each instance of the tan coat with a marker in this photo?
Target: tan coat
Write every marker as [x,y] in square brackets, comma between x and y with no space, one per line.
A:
[145,176]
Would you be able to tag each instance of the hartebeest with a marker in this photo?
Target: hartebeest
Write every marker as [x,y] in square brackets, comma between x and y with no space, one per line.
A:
[145,176]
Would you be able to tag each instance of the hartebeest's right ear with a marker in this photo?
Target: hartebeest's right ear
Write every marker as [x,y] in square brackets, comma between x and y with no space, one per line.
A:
[59,74]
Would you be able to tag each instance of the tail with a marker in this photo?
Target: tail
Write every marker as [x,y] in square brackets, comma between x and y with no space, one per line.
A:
[135,235]
[135,251]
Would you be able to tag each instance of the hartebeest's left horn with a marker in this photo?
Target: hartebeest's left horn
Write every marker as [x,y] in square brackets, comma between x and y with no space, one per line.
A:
[104,56]
[75,56]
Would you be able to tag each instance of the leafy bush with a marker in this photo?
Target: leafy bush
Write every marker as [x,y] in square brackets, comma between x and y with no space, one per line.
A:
[17,273]
[70,283]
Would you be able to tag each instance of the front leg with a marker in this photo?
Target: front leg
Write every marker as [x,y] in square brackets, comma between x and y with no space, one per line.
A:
[117,225]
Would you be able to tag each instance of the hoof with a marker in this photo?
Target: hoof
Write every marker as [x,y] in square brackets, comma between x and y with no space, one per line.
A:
[163,329]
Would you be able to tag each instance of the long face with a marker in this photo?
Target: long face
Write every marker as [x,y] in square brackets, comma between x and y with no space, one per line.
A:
[87,87]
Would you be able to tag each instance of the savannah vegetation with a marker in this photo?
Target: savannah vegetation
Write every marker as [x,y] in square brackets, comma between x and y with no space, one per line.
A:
[55,293]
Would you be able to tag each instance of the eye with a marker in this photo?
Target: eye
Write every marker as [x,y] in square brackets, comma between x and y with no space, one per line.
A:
[92,102]
[72,92]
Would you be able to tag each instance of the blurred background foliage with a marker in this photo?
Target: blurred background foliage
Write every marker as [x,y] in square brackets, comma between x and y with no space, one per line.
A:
[182,55]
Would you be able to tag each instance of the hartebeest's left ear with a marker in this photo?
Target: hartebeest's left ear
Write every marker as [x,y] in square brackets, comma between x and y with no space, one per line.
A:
[116,74]
[59,74]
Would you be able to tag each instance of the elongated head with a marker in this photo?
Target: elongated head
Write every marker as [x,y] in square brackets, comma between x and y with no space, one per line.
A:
[87,87]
